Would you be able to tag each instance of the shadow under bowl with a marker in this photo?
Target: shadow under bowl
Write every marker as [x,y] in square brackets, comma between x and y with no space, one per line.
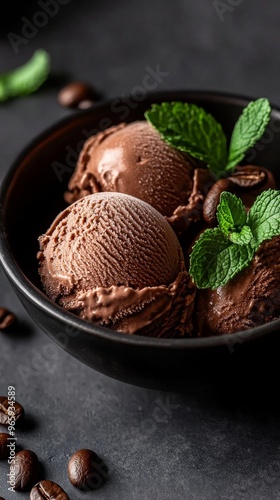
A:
[32,195]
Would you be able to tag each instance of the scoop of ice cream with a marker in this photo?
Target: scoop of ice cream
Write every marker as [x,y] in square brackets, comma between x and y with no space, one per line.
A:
[250,299]
[133,159]
[113,259]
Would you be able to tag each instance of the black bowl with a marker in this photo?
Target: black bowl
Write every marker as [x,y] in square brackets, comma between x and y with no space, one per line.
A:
[31,196]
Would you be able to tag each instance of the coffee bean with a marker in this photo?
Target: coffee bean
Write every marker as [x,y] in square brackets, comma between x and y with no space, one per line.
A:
[7,318]
[47,490]
[241,180]
[86,470]
[73,94]
[249,177]
[24,471]
[85,104]
[15,409]
[212,200]
[1,498]
[4,450]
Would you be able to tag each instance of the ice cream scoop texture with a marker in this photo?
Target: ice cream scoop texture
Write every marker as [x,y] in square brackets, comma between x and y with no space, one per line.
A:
[114,259]
[133,159]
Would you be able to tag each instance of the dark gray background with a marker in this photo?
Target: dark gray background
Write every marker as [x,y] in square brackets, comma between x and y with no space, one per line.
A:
[210,444]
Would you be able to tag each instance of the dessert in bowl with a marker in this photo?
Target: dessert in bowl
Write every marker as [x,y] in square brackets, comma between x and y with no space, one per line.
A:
[37,183]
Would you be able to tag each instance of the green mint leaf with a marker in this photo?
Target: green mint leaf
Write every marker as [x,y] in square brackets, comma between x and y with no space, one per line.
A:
[231,213]
[191,130]
[248,130]
[244,237]
[221,253]
[215,260]
[26,79]
[264,216]
[232,218]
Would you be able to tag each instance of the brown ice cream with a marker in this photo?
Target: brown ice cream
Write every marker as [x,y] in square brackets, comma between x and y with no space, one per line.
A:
[250,299]
[113,259]
[133,159]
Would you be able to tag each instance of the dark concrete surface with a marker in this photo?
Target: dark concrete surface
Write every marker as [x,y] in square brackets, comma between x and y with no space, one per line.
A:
[205,446]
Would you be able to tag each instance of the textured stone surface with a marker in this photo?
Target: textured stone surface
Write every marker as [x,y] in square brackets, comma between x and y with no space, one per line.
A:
[212,444]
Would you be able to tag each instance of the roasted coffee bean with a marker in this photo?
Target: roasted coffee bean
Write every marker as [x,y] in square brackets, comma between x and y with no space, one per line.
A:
[47,490]
[86,470]
[10,411]
[7,318]
[1,498]
[24,471]
[242,179]
[73,94]
[85,104]
[249,177]
[4,450]
[212,199]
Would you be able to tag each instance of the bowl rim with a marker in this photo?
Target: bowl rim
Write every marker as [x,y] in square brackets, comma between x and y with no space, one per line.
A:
[40,300]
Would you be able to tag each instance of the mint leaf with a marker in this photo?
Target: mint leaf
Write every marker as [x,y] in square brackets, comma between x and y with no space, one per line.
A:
[26,79]
[215,259]
[231,213]
[264,216]
[232,218]
[191,130]
[248,130]
[244,237]
[221,253]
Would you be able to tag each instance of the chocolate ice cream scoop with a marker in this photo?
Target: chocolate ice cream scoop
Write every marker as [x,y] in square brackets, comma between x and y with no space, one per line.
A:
[250,299]
[133,159]
[113,259]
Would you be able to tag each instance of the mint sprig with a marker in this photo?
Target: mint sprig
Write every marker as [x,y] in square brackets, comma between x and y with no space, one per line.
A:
[191,130]
[215,259]
[221,253]
[264,216]
[27,78]
[248,129]
[243,237]
[231,213]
